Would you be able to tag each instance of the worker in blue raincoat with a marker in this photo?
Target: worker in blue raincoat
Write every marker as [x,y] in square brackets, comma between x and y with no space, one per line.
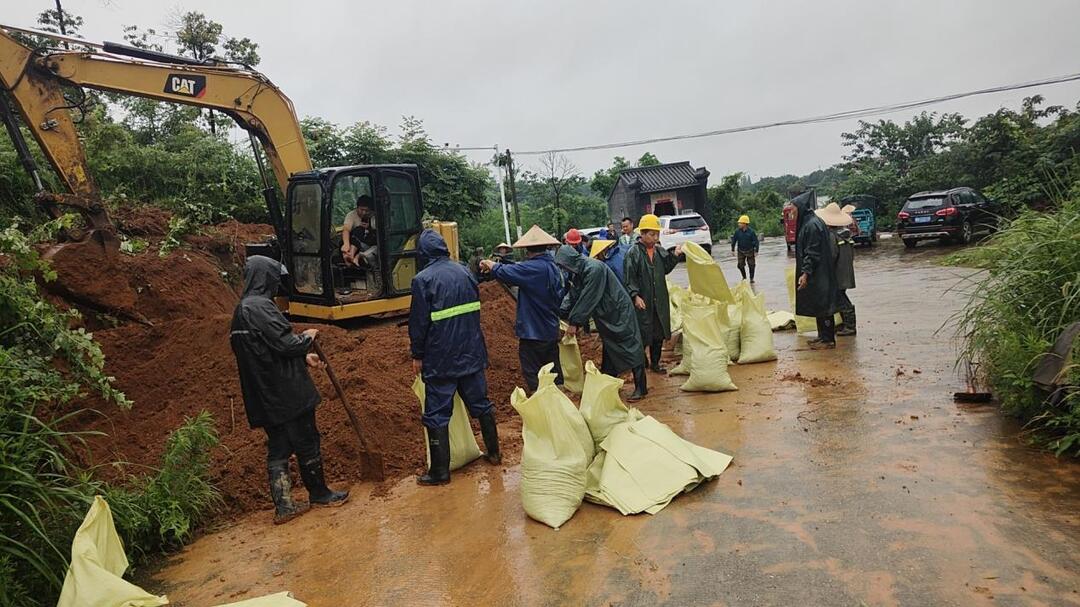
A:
[611,253]
[448,352]
[540,292]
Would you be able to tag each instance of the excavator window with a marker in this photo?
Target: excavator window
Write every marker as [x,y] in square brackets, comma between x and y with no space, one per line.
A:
[404,226]
[347,189]
[305,229]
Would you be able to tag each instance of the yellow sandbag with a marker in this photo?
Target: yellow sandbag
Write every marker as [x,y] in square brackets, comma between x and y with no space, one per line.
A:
[676,296]
[601,406]
[730,316]
[280,599]
[781,320]
[742,290]
[643,465]
[755,332]
[570,359]
[556,454]
[686,350]
[709,357]
[463,447]
[98,562]
[706,276]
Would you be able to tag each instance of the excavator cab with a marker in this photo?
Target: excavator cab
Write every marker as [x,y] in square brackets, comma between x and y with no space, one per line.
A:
[322,285]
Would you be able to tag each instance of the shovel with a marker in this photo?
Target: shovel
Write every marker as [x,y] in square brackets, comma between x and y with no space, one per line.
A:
[371,461]
[972,395]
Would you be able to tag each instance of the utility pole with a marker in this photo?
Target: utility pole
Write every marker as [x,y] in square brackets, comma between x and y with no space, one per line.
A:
[60,19]
[502,196]
[513,191]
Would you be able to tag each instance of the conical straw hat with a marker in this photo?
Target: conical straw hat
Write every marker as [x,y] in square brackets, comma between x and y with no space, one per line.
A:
[849,209]
[536,237]
[598,247]
[833,216]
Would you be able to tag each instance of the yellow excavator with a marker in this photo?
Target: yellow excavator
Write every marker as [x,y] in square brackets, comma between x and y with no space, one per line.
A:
[307,227]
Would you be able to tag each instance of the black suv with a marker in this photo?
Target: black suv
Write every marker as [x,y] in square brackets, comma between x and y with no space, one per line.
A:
[957,214]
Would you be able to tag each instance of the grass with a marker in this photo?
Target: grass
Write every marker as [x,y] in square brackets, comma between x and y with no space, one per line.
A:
[1029,292]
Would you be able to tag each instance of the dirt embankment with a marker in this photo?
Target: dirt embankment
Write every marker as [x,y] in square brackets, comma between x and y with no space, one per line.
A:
[181,364]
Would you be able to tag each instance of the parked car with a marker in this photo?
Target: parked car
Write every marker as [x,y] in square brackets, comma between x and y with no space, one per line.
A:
[957,215]
[865,216]
[688,227]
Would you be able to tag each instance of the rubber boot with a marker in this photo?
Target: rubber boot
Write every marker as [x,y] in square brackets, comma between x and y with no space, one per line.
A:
[654,357]
[752,268]
[640,386]
[439,447]
[285,509]
[848,328]
[318,493]
[490,431]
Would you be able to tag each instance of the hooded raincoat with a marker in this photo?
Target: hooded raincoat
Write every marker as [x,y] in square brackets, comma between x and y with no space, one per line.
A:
[815,257]
[845,258]
[444,320]
[597,293]
[615,258]
[647,278]
[274,377]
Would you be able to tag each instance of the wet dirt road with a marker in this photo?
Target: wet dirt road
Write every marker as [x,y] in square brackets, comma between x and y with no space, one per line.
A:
[857,482]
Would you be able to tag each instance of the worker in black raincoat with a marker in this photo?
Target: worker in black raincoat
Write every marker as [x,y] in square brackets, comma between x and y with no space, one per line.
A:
[596,293]
[645,271]
[448,352]
[279,396]
[815,271]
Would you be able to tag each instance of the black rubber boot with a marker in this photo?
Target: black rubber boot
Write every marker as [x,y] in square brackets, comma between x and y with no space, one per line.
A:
[439,447]
[490,431]
[655,350]
[752,268]
[640,386]
[848,328]
[318,493]
[285,509]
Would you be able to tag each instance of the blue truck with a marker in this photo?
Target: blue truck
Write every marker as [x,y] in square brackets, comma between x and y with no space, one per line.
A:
[865,216]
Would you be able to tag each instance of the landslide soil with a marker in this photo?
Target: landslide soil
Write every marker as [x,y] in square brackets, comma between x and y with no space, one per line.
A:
[169,352]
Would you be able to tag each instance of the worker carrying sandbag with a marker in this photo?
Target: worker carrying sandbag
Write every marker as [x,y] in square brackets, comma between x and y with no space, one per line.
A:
[540,292]
[645,270]
[279,396]
[596,293]
[448,352]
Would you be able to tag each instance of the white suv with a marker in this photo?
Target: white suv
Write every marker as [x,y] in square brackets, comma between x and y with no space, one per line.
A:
[688,227]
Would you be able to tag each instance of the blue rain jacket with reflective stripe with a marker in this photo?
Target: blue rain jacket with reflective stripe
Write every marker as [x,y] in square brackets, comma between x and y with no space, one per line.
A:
[444,320]
[540,292]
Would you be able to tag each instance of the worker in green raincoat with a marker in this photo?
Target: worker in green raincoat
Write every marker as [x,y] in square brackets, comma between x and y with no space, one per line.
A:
[645,271]
[595,292]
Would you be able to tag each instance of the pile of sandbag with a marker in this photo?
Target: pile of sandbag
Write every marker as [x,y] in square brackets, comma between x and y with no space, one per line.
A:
[604,452]
[717,325]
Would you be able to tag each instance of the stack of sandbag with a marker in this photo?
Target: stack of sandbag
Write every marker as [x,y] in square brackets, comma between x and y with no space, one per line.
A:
[640,464]
[705,351]
[557,451]
[463,447]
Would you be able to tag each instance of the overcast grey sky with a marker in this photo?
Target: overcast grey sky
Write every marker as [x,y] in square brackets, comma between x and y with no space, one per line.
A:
[542,74]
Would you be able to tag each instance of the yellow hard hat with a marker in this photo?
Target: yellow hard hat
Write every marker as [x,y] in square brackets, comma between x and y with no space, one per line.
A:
[744,219]
[649,222]
[599,246]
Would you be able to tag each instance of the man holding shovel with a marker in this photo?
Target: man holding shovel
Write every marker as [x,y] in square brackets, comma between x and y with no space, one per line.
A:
[279,396]
[448,352]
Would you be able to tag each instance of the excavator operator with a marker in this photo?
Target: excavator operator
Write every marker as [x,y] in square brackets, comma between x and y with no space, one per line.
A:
[358,238]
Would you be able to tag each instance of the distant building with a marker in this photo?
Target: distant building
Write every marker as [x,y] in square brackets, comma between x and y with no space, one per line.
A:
[664,189]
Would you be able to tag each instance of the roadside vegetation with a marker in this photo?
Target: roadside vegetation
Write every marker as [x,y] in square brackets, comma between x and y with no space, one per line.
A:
[45,487]
[1029,292]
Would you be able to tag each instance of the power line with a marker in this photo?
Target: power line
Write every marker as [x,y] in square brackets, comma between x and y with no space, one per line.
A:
[835,117]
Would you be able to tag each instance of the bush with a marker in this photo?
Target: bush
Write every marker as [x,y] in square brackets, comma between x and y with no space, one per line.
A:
[1018,307]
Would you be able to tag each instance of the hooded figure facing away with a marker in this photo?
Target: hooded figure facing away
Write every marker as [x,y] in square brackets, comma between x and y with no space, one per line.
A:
[449,352]
[279,395]
[597,293]
[815,270]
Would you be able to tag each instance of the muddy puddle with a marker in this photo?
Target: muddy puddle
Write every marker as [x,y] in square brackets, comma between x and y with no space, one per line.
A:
[856,480]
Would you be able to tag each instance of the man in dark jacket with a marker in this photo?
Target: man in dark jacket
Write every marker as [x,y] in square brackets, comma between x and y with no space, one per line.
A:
[448,352]
[815,271]
[844,242]
[596,293]
[645,271]
[279,396]
[746,241]
[540,292]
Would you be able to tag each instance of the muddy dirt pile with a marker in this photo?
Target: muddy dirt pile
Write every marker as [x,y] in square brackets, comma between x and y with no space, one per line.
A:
[182,363]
